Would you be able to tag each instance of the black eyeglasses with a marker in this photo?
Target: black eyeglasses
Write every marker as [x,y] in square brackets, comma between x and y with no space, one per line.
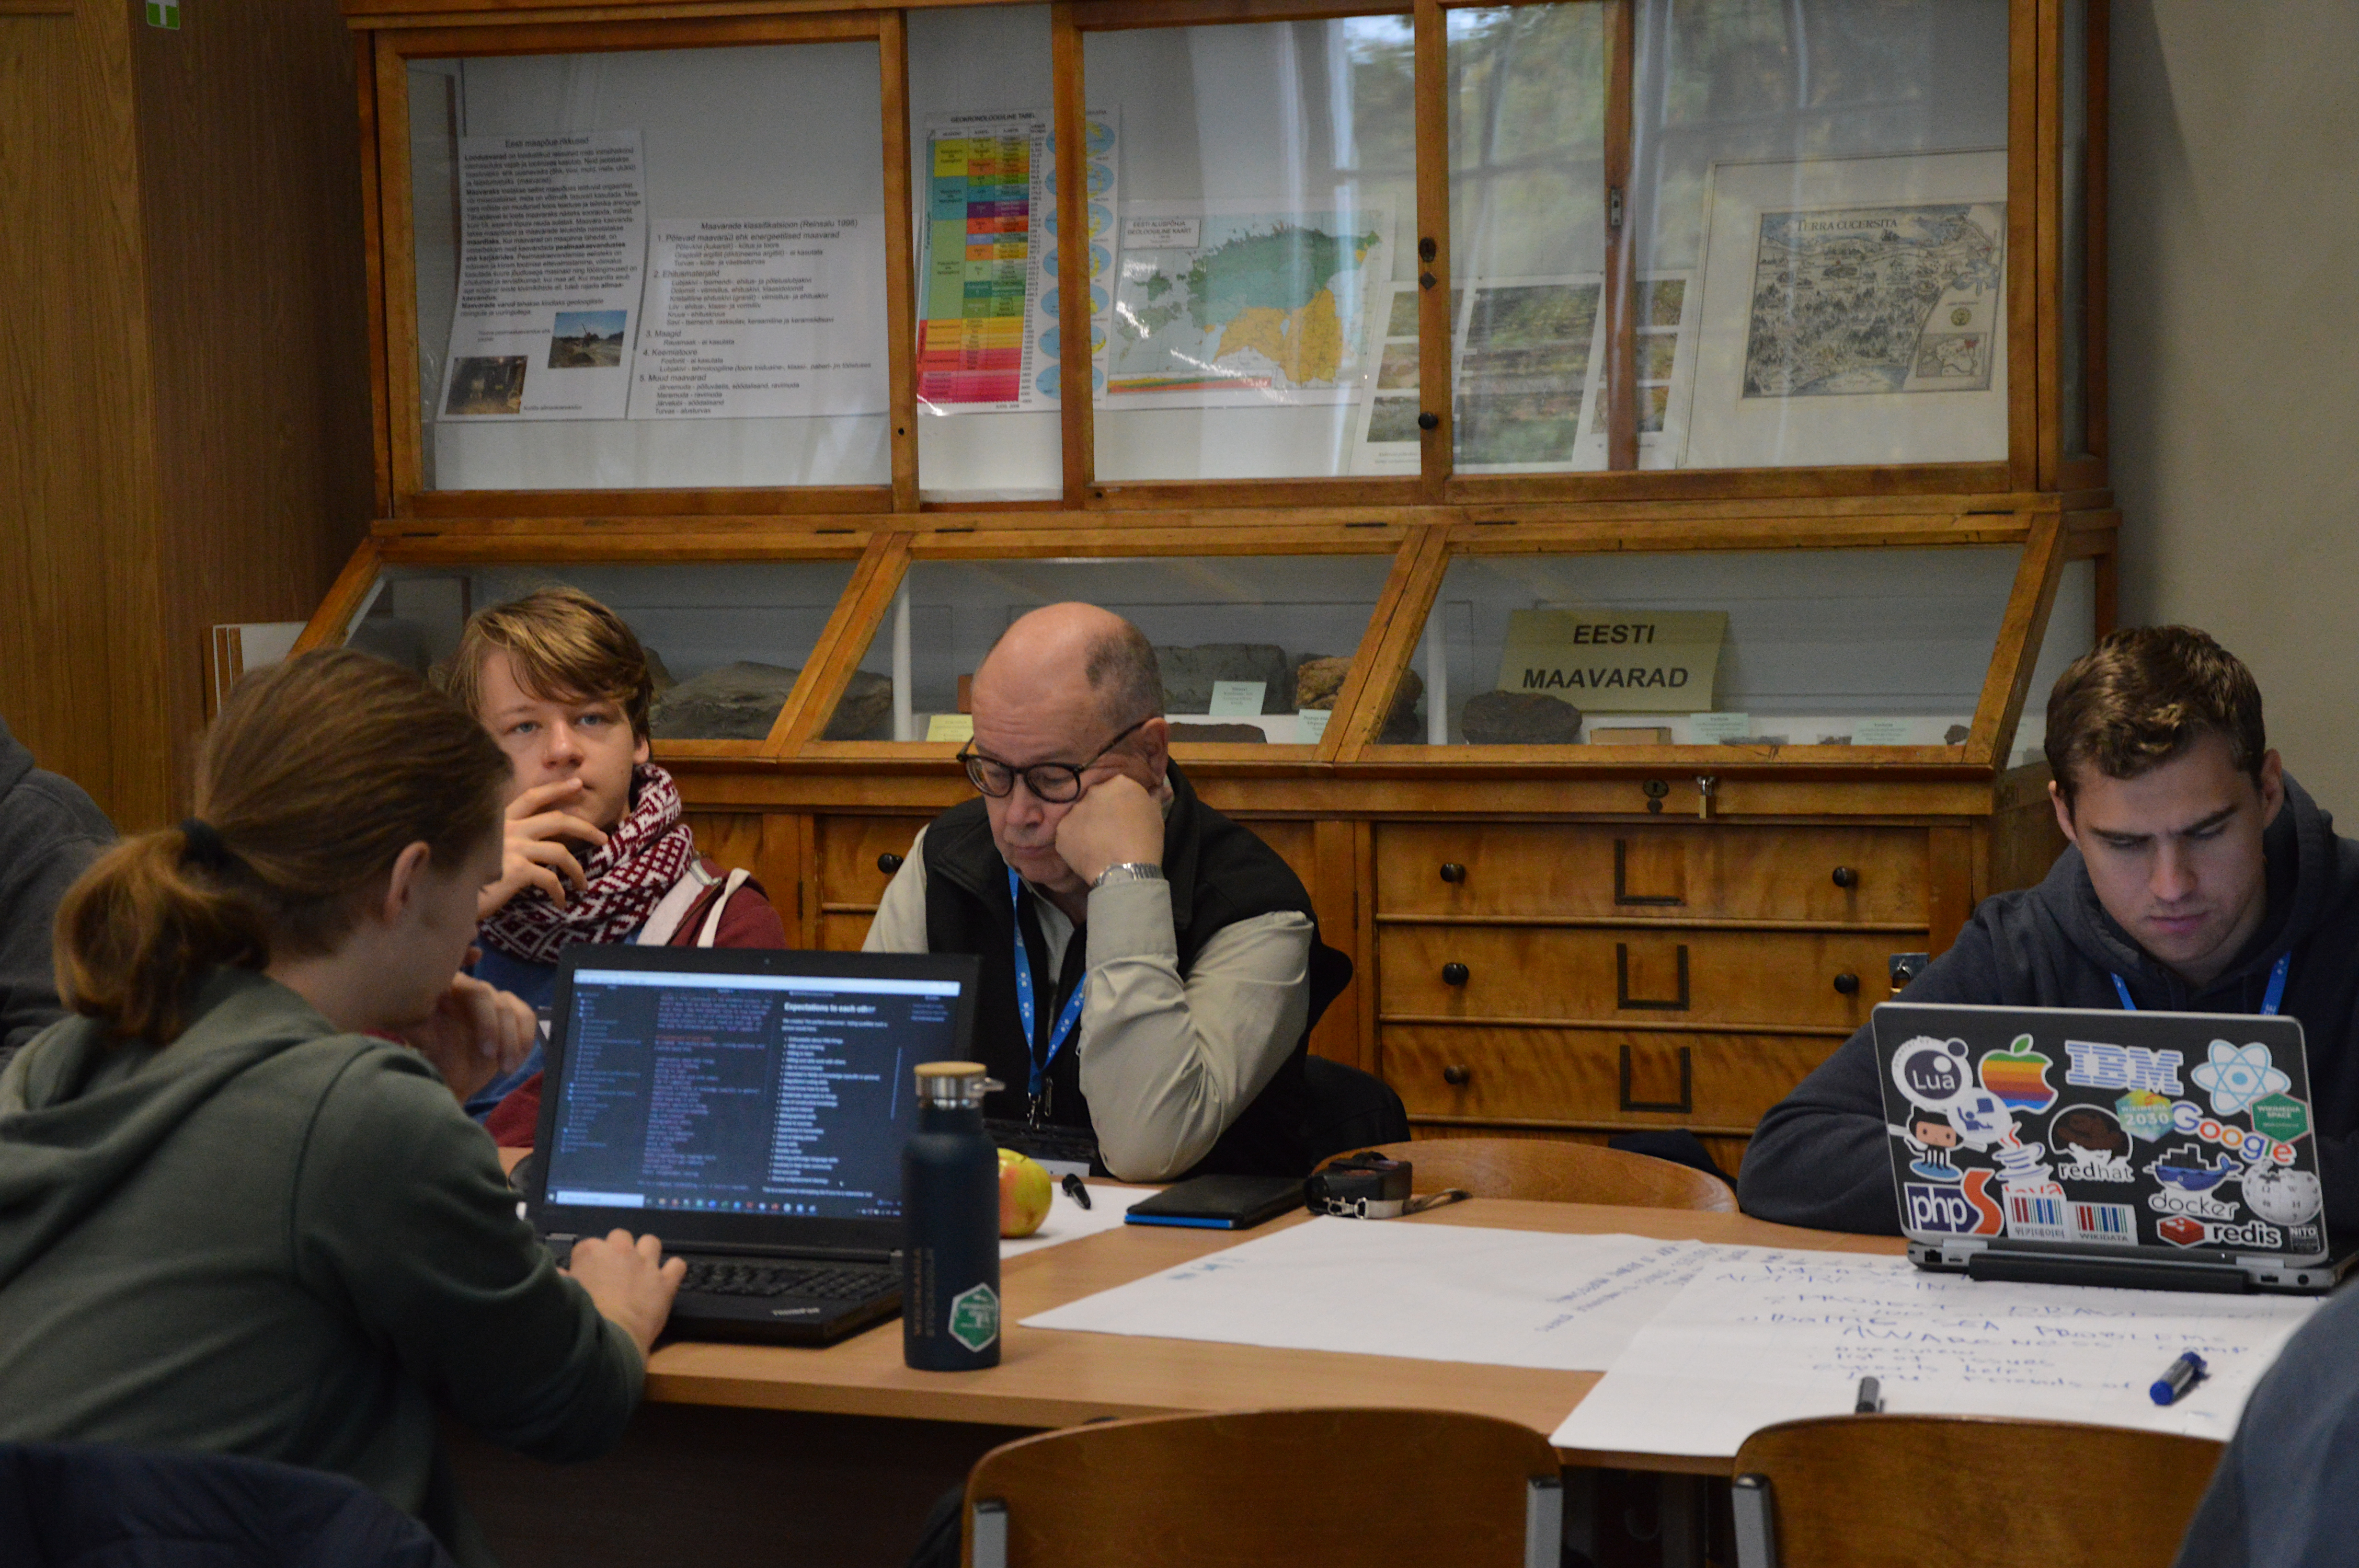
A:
[1055,783]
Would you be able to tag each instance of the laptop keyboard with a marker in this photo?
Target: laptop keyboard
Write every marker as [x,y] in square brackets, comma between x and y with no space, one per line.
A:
[735,1277]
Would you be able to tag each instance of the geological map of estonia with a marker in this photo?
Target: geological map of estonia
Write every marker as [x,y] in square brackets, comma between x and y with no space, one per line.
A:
[1229,308]
[1877,299]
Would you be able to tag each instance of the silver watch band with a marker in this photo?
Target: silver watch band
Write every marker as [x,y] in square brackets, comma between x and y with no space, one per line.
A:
[1129,871]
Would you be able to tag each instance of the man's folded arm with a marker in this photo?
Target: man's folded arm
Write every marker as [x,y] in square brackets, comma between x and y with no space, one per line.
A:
[1168,1062]
[1822,1157]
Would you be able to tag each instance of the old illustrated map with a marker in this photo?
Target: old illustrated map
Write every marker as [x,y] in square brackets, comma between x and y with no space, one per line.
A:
[1214,307]
[1876,299]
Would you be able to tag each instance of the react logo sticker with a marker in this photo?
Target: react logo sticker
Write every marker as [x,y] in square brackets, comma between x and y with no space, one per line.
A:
[2144,1114]
[2282,1197]
[1930,1072]
[2236,1075]
[2019,1075]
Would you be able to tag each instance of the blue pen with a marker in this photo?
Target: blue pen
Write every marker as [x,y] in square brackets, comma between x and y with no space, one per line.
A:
[2182,1374]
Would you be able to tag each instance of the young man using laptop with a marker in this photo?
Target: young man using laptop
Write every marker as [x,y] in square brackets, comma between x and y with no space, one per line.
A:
[1147,963]
[2198,879]
[595,848]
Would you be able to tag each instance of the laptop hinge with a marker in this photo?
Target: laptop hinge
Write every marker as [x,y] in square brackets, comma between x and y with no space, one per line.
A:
[793,1250]
[2121,1273]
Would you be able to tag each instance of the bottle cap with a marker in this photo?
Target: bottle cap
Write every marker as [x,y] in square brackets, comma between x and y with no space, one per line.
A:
[954,1083]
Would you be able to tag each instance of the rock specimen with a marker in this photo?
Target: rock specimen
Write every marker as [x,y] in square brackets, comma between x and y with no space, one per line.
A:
[732,702]
[1519,719]
[1319,681]
[1956,735]
[657,671]
[741,702]
[865,712]
[1189,674]
[1234,734]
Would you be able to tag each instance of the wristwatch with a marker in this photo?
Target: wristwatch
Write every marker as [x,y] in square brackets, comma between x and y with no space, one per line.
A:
[1129,871]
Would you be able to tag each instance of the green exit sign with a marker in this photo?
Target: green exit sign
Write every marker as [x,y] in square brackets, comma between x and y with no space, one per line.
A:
[164,14]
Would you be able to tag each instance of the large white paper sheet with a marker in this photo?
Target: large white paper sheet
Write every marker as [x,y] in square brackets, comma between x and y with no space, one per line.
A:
[1436,1292]
[1068,1221]
[1760,1335]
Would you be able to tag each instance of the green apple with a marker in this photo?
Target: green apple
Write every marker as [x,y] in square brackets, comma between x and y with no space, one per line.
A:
[1024,1193]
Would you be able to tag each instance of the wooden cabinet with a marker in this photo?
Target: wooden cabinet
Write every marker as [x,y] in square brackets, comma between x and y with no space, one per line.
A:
[1386,535]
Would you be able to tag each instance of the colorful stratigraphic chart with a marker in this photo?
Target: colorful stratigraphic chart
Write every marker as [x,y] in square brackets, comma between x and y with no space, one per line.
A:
[986,336]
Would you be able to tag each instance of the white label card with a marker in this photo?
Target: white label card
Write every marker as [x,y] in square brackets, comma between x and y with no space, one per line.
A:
[1311,723]
[1882,732]
[1711,729]
[1238,699]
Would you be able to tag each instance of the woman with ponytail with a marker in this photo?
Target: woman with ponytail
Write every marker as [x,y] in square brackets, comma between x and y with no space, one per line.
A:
[241,1208]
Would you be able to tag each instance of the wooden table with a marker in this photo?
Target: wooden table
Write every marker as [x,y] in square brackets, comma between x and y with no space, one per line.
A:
[839,1450]
[1050,1378]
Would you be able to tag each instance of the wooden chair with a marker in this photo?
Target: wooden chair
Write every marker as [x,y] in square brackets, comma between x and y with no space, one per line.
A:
[1310,1489]
[1558,1173]
[1911,1491]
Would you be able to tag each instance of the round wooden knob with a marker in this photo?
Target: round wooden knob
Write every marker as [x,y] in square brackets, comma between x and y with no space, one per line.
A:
[1845,877]
[1429,421]
[1455,974]
[1847,984]
[1451,871]
[888,862]
[1456,1074]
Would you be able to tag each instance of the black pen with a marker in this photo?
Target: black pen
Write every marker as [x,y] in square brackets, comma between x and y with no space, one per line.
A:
[1871,1398]
[1075,1190]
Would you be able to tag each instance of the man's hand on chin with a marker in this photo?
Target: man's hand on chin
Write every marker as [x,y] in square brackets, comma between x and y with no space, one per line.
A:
[1118,822]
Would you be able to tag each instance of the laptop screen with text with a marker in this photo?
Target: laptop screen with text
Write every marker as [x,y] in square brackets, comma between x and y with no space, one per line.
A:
[743,1093]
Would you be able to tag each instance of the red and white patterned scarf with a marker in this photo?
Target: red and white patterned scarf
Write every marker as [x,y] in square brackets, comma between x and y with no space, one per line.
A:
[640,860]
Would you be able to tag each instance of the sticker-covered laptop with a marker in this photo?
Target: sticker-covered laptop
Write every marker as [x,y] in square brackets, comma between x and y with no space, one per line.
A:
[2169,1150]
[748,1107]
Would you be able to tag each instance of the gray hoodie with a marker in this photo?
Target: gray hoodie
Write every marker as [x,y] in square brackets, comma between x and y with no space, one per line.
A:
[273,1239]
[49,833]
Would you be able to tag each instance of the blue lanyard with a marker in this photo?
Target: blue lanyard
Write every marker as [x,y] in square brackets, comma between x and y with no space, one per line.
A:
[1067,1021]
[2269,1003]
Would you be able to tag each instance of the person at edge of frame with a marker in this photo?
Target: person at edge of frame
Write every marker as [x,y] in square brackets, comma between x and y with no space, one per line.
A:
[241,1209]
[2195,867]
[596,849]
[1150,968]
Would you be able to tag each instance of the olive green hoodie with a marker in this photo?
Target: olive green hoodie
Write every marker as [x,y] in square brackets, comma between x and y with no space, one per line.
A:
[274,1239]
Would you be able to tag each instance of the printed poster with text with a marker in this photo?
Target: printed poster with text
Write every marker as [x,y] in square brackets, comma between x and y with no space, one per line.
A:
[763,319]
[553,247]
[988,336]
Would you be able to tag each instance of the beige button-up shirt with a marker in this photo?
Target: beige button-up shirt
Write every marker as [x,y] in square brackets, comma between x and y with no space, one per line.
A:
[1167,1060]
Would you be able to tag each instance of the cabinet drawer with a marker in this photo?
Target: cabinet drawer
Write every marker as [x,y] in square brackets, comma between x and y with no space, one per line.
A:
[1708,870]
[848,851]
[1817,979]
[1627,1076]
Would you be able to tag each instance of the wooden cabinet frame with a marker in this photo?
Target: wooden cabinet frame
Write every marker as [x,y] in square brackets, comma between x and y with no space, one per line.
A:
[785,803]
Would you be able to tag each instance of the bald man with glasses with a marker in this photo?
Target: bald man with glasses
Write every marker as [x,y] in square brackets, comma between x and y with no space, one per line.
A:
[1148,964]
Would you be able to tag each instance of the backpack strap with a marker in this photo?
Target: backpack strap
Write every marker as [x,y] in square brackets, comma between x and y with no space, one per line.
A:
[729,886]
[663,921]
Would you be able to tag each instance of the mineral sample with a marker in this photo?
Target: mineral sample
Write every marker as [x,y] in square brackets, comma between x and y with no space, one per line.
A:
[1189,674]
[1520,719]
[732,702]
[1234,734]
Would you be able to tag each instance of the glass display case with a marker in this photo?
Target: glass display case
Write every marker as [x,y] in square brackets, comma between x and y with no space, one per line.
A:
[1254,649]
[1610,482]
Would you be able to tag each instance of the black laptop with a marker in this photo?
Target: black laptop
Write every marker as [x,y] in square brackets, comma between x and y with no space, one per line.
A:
[2158,1150]
[748,1107]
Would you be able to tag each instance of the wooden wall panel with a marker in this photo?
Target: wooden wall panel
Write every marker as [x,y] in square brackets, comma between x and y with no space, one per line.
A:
[77,591]
[250,190]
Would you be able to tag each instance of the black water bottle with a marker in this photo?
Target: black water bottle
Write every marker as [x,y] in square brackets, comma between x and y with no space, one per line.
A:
[949,1194]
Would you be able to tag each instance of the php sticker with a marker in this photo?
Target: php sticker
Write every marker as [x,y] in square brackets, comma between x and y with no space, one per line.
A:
[1966,1210]
[2019,1075]
[2236,1075]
